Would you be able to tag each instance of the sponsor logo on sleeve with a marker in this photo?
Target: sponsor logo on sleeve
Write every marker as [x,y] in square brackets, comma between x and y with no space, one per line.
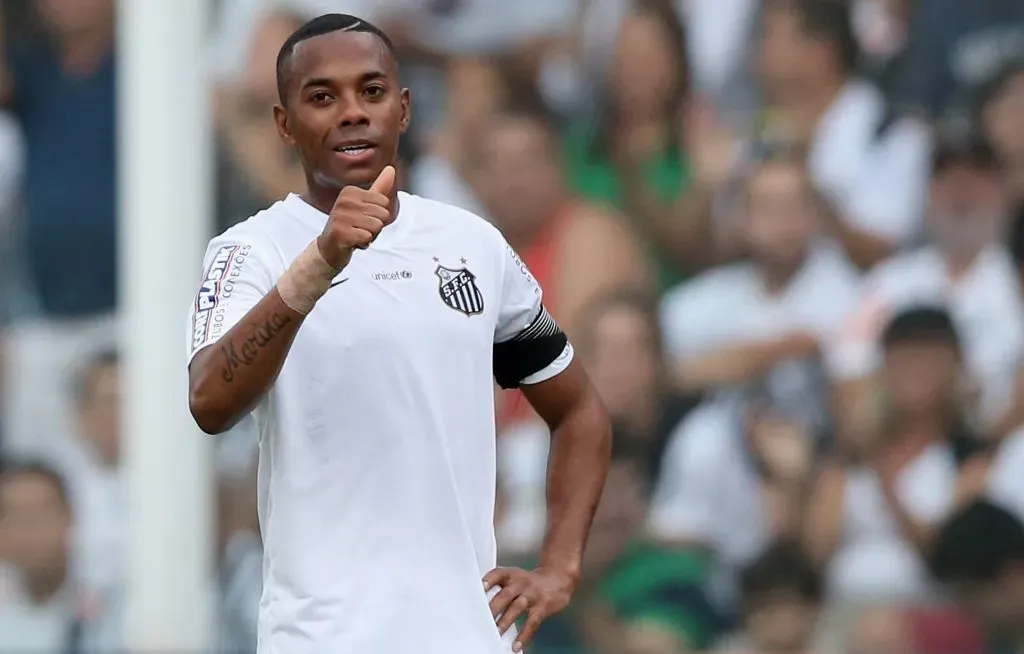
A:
[530,279]
[217,287]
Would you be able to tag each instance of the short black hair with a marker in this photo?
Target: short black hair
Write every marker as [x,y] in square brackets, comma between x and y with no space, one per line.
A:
[977,544]
[784,567]
[40,469]
[319,26]
[829,21]
[921,324]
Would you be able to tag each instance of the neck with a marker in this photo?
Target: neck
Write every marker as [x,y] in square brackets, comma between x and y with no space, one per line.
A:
[44,587]
[83,52]
[959,263]
[777,277]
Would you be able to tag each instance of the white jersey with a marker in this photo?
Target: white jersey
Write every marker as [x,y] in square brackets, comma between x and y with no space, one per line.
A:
[377,442]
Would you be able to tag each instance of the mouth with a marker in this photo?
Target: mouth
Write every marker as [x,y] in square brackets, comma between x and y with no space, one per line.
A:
[355,150]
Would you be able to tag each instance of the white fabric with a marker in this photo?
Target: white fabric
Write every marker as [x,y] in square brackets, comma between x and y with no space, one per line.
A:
[873,561]
[710,494]
[1006,477]
[879,183]
[377,444]
[729,305]
[43,358]
[985,304]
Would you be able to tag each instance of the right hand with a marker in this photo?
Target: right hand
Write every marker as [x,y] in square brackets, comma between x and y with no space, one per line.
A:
[356,219]
[711,145]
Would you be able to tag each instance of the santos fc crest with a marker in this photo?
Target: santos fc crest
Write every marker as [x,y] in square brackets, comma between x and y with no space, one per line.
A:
[459,291]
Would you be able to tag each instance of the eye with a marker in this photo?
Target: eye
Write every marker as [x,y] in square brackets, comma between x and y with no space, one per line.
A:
[375,91]
[319,97]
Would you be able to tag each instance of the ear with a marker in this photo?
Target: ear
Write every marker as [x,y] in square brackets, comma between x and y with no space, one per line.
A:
[281,120]
[406,111]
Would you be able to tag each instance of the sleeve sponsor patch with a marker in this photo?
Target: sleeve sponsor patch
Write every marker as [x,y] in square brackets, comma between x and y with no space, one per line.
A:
[216,288]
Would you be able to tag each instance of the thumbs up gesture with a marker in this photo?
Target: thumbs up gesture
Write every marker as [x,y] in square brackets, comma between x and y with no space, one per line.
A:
[356,219]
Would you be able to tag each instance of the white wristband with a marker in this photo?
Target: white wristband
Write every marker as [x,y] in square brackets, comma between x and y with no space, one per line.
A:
[306,280]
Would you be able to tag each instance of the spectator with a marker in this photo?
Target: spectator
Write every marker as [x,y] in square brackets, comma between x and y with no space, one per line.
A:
[633,157]
[872,521]
[62,93]
[256,167]
[873,179]
[769,316]
[999,106]
[92,465]
[964,268]
[476,88]
[49,612]
[782,596]
[980,552]
[560,237]
[733,481]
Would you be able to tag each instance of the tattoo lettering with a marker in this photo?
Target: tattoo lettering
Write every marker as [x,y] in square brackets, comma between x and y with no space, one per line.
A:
[259,338]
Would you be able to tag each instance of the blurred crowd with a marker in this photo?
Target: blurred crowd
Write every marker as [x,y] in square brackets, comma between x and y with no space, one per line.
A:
[786,237]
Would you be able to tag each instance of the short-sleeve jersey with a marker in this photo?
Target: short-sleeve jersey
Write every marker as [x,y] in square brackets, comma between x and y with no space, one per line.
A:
[377,440]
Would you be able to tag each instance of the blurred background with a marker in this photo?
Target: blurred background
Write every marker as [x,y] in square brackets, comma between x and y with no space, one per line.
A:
[785,235]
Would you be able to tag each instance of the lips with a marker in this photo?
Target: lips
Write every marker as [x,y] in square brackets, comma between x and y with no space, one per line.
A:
[354,148]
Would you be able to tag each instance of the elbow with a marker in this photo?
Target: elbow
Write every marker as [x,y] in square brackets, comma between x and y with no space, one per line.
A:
[207,413]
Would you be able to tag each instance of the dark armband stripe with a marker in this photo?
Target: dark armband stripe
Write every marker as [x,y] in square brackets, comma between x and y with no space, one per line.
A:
[529,351]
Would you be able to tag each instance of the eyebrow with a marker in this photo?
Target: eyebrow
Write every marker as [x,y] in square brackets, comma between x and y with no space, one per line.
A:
[368,76]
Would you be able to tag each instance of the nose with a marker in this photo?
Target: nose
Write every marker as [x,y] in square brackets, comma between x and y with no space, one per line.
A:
[353,113]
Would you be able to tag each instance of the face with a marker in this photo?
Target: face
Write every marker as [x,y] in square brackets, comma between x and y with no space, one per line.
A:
[967,209]
[920,377]
[788,57]
[881,631]
[345,109]
[100,413]
[1002,119]
[643,71]
[781,218]
[34,523]
[622,359]
[74,17]
[781,623]
[518,177]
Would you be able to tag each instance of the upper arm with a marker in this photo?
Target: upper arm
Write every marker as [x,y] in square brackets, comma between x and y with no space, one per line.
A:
[529,346]
[236,276]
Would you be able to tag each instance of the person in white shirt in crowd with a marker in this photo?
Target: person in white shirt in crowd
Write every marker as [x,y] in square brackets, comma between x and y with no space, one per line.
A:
[877,503]
[873,175]
[775,313]
[964,267]
[733,480]
[91,464]
[364,329]
[49,610]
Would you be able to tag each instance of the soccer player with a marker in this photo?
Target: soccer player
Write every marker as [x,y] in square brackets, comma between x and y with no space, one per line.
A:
[364,328]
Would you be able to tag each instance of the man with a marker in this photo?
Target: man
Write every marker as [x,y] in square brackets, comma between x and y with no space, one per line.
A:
[368,366]
[50,609]
[980,551]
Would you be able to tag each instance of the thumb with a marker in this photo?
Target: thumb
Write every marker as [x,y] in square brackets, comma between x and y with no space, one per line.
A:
[385,182]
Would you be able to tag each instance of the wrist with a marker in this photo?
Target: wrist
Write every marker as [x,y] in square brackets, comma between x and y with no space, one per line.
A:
[306,280]
[570,569]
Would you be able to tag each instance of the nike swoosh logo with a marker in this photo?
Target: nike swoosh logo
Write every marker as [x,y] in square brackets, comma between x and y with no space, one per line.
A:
[342,281]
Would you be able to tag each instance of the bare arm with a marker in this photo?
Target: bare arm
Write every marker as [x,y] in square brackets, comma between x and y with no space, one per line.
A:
[822,526]
[740,363]
[227,379]
[579,460]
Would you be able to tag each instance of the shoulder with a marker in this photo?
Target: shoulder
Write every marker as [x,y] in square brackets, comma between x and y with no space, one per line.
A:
[437,215]
[256,234]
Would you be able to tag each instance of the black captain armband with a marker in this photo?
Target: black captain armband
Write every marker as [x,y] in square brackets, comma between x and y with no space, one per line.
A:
[529,351]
